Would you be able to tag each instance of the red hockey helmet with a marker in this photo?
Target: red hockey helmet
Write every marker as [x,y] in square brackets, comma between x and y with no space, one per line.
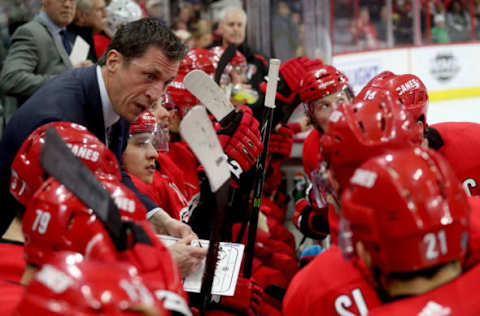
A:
[238,60]
[412,94]
[56,220]
[180,97]
[147,123]
[198,58]
[409,210]
[379,80]
[408,88]
[70,285]
[364,129]
[322,80]
[28,173]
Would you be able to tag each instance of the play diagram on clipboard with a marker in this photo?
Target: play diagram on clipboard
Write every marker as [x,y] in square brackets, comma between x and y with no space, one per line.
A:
[226,273]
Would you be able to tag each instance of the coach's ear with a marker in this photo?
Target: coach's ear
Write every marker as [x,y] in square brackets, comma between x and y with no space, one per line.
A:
[363,254]
[114,60]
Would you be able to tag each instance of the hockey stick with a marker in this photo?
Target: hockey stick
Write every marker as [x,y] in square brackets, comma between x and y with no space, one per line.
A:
[197,130]
[59,161]
[266,128]
[210,94]
[227,56]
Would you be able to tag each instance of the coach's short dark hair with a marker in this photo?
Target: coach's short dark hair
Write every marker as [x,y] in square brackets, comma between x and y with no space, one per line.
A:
[134,38]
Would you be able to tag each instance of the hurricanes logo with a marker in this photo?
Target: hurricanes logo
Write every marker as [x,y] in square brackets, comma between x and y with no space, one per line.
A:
[84,153]
[407,86]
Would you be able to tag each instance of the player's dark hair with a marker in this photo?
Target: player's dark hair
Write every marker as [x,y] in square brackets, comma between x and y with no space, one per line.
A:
[133,39]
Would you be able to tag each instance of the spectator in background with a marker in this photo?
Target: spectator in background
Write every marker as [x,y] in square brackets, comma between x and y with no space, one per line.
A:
[183,18]
[439,31]
[89,20]
[154,9]
[296,18]
[4,35]
[118,12]
[18,14]
[403,23]
[202,35]
[284,33]
[381,26]
[476,15]
[364,33]
[232,27]
[458,22]
[39,50]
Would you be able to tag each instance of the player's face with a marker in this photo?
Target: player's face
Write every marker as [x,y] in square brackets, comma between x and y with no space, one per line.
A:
[233,29]
[61,12]
[322,108]
[139,156]
[136,85]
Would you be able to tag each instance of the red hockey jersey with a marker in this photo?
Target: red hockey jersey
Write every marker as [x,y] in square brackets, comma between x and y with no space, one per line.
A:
[12,264]
[458,297]
[462,148]
[330,285]
[12,293]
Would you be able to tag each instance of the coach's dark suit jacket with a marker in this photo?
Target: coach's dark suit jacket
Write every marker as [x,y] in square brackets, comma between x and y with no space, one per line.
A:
[71,96]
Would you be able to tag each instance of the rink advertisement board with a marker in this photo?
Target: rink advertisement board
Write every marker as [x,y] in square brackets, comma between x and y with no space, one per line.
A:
[361,67]
[448,71]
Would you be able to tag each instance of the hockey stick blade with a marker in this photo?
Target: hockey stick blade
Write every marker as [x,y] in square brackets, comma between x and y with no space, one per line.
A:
[209,93]
[59,161]
[197,130]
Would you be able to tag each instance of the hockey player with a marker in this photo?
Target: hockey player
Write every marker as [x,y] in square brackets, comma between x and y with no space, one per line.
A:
[56,220]
[27,172]
[321,90]
[355,133]
[28,175]
[139,161]
[449,138]
[414,249]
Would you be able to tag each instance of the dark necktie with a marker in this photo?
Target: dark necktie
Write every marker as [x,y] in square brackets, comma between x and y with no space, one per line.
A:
[66,41]
[108,134]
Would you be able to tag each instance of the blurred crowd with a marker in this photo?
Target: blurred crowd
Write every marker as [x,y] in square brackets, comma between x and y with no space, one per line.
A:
[440,22]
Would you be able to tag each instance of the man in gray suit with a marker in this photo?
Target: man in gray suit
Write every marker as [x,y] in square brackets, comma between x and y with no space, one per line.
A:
[38,50]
